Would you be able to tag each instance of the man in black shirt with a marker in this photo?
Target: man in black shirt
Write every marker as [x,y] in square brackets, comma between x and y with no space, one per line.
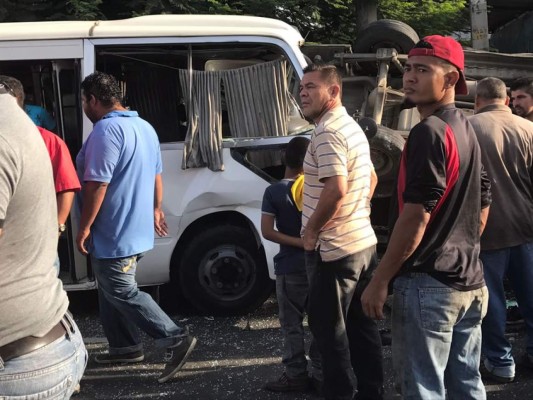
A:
[440,296]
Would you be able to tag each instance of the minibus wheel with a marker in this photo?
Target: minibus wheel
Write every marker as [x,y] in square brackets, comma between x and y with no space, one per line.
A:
[224,272]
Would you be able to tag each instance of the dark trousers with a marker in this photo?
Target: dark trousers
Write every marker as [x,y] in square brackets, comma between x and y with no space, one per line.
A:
[348,341]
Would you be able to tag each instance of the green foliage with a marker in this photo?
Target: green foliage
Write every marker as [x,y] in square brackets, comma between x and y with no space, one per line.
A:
[325,21]
[83,9]
[428,17]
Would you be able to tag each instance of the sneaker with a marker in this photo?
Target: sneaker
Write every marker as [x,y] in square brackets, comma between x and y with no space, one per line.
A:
[176,357]
[514,316]
[285,384]
[488,372]
[106,358]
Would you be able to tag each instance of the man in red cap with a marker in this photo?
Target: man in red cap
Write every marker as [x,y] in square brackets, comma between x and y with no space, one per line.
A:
[443,198]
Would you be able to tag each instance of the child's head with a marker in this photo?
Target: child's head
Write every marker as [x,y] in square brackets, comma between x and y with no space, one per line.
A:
[295,152]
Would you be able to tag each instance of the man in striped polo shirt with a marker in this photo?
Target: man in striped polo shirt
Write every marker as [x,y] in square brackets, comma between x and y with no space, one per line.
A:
[339,240]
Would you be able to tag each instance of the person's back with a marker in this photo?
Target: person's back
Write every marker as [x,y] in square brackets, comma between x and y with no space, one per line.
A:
[507,141]
[29,239]
[124,225]
[36,354]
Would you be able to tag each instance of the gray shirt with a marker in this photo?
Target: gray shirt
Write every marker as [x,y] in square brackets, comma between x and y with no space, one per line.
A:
[33,299]
[506,142]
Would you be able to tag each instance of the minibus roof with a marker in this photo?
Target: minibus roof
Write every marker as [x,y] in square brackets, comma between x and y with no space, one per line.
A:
[153,26]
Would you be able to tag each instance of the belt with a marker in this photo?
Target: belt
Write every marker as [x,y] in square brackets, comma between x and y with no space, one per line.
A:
[31,343]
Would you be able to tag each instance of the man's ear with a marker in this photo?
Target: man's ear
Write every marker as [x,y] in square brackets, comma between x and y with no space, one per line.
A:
[507,100]
[334,90]
[451,79]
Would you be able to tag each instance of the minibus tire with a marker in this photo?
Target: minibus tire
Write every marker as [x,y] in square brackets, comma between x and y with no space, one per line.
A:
[223,272]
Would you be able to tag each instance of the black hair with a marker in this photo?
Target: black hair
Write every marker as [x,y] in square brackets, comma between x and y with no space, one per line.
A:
[103,87]
[525,84]
[328,73]
[14,87]
[295,152]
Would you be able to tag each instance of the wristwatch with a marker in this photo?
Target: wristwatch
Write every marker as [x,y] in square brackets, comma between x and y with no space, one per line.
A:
[61,228]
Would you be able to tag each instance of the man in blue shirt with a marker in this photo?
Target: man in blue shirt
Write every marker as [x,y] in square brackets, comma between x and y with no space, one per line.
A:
[120,167]
[282,204]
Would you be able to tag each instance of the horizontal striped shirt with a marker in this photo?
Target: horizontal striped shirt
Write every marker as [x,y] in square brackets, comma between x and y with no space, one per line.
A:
[339,147]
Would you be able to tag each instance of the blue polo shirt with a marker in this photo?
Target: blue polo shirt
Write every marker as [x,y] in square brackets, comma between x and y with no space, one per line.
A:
[122,150]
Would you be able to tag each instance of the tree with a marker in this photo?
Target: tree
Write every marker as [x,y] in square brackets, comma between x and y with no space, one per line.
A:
[428,17]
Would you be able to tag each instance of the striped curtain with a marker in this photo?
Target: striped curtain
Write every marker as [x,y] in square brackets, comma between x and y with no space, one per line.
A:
[257,101]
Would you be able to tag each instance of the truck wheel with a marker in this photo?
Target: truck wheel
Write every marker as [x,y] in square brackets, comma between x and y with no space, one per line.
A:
[386,152]
[385,33]
[222,272]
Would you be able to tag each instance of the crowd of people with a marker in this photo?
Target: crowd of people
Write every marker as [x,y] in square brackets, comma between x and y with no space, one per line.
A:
[454,239]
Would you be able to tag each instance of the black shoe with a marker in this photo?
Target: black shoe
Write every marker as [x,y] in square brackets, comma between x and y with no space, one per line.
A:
[514,316]
[316,386]
[488,373]
[106,358]
[176,357]
[285,384]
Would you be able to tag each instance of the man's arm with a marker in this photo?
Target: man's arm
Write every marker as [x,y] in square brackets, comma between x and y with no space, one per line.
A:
[269,233]
[93,196]
[406,236]
[64,204]
[483,219]
[160,224]
[329,203]
[373,183]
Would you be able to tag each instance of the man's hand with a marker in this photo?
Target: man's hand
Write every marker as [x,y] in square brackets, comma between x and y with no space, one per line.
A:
[160,224]
[310,239]
[374,297]
[83,236]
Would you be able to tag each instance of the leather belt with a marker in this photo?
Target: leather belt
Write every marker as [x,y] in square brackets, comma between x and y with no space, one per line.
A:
[31,343]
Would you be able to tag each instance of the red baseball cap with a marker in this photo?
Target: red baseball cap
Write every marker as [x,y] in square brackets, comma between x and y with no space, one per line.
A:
[446,48]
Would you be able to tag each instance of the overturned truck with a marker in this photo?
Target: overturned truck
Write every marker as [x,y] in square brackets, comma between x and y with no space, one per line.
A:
[372,93]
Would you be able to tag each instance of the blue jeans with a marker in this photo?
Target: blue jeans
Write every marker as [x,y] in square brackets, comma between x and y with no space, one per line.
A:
[436,339]
[51,372]
[516,263]
[124,308]
[292,291]
[348,341]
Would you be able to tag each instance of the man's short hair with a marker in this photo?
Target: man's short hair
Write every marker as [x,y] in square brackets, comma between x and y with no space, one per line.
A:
[328,73]
[295,152]
[103,87]
[491,89]
[525,84]
[15,86]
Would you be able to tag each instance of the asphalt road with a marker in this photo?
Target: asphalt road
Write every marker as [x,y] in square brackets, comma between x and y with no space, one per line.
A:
[234,357]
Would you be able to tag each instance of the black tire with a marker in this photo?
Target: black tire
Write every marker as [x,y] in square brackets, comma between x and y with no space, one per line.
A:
[386,33]
[223,272]
[386,153]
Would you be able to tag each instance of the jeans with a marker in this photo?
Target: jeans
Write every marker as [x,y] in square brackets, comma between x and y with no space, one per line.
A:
[291,292]
[124,308]
[348,341]
[57,265]
[436,339]
[516,263]
[51,372]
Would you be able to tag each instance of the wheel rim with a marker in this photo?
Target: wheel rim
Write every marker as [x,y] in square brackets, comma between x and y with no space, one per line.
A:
[382,161]
[227,272]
